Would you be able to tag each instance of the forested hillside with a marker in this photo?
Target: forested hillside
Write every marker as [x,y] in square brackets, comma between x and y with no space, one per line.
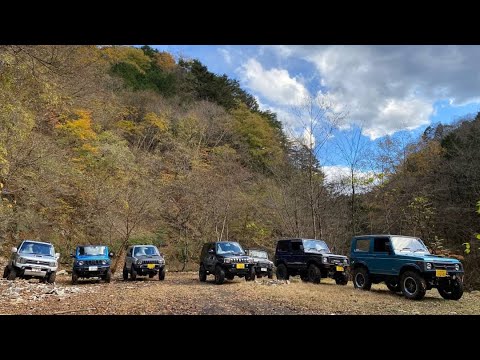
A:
[124,145]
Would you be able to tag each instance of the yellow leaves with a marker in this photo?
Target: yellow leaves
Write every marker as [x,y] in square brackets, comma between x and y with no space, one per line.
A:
[157,121]
[165,61]
[127,125]
[79,128]
[129,55]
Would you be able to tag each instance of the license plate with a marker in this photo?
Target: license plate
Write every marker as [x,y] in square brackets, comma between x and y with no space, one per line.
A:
[92,268]
[263,269]
[240,266]
[151,266]
[36,270]
[440,273]
[339,268]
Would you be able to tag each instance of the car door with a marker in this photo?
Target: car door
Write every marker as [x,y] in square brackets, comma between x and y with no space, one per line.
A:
[210,258]
[296,254]
[128,258]
[382,263]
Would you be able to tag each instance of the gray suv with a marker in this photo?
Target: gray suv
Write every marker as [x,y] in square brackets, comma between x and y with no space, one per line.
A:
[143,260]
[33,259]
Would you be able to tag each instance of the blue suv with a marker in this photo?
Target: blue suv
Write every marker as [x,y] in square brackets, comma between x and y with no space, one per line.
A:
[91,261]
[405,265]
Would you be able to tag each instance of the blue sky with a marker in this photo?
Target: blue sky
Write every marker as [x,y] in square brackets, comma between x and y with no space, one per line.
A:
[385,89]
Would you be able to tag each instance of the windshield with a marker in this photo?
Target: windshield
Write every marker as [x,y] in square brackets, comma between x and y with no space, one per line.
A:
[91,250]
[36,248]
[258,254]
[145,251]
[315,246]
[408,244]
[229,248]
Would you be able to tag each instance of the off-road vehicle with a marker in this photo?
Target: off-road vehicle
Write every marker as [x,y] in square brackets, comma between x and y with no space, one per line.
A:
[91,261]
[33,259]
[311,259]
[143,260]
[225,260]
[263,266]
[405,265]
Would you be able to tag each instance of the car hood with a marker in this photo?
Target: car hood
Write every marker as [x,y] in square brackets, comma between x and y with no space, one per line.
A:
[91,257]
[38,257]
[149,257]
[428,258]
[262,260]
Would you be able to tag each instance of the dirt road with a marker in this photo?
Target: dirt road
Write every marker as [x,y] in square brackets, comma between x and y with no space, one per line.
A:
[182,293]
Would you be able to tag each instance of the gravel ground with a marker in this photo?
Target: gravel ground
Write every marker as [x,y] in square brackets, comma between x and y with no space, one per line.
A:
[182,293]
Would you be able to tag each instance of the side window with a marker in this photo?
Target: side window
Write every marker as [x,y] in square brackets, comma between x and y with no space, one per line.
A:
[297,246]
[362,245]
[212,246]
[379,244]
[130,252]
[282,246]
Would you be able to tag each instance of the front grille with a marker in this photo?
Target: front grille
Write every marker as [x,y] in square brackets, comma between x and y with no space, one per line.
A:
[93,262]
[443,266]
[336,261]
[38,262]
[151,262]
[238,260]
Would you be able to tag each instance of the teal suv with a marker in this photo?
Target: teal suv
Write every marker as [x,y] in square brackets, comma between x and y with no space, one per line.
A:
[405,265]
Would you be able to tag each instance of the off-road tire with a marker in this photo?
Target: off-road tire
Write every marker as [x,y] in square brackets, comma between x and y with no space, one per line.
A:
[314,274]
[361,279]
[282,272]
[202,274]
[219,275]
[413,285]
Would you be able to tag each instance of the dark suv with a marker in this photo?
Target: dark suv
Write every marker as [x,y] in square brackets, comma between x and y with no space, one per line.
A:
[143,260]
[406,266]
[263,266]
[225,259]
[311,259]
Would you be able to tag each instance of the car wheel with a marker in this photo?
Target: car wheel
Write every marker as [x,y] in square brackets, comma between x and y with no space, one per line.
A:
[304,277]
[74,278]
[341,279]
[453,291]
[108,276]
[12,274]
[361,279]
[413,285]
[282,272]
[219,275]
[161,274]
[125,273]
[314,274]
[270,274]
[251,276]
[202,274]
[133,273]
[6,271]
[51,277]
[393,286]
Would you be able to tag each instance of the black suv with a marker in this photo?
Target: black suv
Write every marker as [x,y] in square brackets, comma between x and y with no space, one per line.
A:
[311,259]
[225,259]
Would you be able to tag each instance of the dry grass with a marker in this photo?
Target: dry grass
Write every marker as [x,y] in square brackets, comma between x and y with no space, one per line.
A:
[182,293]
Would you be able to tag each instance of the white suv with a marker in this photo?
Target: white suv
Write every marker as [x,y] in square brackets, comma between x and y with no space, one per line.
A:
[33,259]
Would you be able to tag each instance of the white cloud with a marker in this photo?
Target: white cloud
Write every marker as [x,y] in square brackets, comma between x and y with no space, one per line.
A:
[392,88]
[308,139]
[341,176]
[226,55]
[274,84]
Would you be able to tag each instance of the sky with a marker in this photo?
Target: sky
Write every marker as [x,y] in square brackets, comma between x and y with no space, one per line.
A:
[384,89]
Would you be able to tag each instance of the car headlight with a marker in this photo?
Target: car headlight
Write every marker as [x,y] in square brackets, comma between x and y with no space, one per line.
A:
[428,266]
[104,262]
[251,261]
[345,261]
[457,267]
[138,262]
[79,263]
[53,263]
[22,260]
[227,260]
[162,261]
[325,260]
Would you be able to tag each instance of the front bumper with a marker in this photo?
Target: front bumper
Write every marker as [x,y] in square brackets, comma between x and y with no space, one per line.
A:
[34,270]
[263,268]
[91,271]
[436,277]
[233,269]
[145,269]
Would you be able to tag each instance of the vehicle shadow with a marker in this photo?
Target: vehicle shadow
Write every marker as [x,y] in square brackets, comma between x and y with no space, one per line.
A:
[386,292]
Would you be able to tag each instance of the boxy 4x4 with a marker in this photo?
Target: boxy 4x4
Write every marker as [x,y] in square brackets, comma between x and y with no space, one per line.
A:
[33,259]
[263,266]
[406,266]
[311,259]
[225,260]
[144,260]
[91,261]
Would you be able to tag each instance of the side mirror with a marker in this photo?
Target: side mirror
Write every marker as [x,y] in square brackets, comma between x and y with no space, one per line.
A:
[72,255]
[111,254]
[14,249]
[57,256]
[211,251]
